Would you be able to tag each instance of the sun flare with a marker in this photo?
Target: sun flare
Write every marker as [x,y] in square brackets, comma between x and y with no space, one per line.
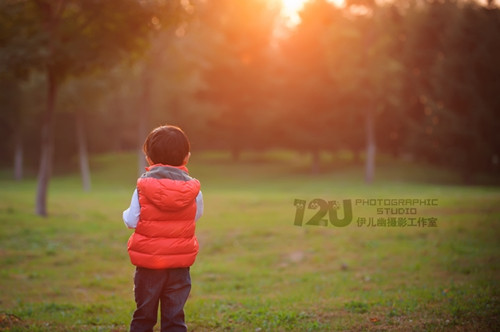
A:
[292,6]
[291,9]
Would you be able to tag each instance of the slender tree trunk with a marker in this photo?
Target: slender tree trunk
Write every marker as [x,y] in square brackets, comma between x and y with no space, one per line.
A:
[370,38]
[18,156]
[153,61]
[315,162]
[141,160]
[235,153]
[82,151]
[370,148]
[50,12]
[144,114]
[47,146]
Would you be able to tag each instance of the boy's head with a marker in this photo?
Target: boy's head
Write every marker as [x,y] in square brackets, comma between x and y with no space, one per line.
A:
[167,145]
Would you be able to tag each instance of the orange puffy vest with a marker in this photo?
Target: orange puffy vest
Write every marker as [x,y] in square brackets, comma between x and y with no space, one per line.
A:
[165,234]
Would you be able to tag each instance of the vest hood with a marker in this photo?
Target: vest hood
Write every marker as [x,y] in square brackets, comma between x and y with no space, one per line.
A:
[168,188]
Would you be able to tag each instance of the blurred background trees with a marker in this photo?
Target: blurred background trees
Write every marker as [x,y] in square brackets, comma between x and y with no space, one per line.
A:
[419,79]
[62,40]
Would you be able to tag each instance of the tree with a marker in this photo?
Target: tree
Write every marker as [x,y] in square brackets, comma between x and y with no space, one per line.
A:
[365,73]
[91,89]
[68,38]
[308,92]
[471,96]
[165,26]
[10,125]
[238,36]
[453,49]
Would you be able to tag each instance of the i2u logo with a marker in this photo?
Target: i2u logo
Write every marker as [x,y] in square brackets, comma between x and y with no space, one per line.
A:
[323,207]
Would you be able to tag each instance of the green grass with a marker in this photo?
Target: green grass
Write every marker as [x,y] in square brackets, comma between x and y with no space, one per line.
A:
[256,271]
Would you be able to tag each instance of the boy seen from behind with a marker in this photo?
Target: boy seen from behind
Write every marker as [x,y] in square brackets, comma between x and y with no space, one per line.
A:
[163,211]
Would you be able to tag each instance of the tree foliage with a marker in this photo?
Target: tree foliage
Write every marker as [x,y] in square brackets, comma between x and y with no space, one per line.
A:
[62,39]
[423,75]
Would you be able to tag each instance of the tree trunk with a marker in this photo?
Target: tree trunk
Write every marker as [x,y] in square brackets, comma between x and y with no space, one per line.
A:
[142,133]
[82,151]
[370,148]
[144,115]
[235,153]
[152,62]
[18,156]
[47,146]
[315,162]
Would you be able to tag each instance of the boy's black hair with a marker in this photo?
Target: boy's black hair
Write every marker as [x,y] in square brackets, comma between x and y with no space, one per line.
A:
[167,145]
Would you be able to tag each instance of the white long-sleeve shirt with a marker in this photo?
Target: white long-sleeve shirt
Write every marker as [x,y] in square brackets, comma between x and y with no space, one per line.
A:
[131,215]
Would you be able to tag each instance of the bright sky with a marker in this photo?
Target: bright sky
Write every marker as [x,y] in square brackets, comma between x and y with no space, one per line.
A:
[292,7]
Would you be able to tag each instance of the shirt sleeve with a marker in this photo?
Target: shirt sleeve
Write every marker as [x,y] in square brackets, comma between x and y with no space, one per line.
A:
[131,215]
[199,206]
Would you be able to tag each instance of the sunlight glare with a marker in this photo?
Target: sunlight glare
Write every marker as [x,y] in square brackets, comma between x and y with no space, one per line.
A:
[291,9]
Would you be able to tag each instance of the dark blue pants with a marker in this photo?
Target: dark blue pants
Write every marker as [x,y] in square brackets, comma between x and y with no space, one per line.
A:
[168,287]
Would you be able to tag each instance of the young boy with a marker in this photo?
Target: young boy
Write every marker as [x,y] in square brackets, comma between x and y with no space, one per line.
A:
[163,211]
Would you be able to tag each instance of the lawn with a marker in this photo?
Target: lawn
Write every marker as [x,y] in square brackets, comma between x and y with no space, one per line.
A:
[271,259]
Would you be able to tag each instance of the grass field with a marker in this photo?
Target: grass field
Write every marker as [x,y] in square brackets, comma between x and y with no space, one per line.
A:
[257,270]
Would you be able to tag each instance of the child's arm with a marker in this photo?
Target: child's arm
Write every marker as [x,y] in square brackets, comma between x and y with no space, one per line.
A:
[131,215]
[199,206]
